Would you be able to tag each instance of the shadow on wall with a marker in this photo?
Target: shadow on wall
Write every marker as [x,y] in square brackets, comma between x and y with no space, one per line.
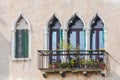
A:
[113,69]
[4,57]
[2,22]
[113,76]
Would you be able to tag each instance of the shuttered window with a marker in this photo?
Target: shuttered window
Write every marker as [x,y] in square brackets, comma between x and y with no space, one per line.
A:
[21,43]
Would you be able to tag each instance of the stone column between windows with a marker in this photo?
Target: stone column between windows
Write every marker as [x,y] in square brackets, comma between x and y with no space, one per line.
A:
[88,30]
[64,44]
[46,44]
[29,42]
[13,44]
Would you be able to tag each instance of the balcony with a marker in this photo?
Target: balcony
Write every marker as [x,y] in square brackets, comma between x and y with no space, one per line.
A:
[72,61]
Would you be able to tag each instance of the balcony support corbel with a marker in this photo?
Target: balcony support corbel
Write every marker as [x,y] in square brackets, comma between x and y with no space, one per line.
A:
[104,73]
[85,73]
[62,74]
[44,74]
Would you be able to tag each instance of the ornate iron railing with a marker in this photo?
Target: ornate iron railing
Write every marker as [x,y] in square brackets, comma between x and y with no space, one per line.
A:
[72,60]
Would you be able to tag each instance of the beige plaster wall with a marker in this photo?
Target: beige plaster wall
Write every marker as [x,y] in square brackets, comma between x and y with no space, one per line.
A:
[4,40]
[38,12]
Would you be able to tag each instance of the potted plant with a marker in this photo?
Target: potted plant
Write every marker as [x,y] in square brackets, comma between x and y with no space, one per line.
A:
[62,65]
[54,65]
[50,65]
[90,63]
[102,65]
[73,63]
[82,63]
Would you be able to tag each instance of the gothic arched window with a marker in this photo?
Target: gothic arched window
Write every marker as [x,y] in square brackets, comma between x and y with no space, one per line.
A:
[54,37]
[97,34]
[76,33]
[21,38]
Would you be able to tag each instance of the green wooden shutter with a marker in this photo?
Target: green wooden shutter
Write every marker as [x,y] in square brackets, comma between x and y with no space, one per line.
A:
[25,43]
[17,44]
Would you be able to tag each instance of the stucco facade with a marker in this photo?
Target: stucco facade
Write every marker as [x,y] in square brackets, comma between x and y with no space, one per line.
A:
[38,13]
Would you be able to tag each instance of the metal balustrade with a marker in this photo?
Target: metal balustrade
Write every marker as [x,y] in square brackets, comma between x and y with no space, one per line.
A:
[72,60]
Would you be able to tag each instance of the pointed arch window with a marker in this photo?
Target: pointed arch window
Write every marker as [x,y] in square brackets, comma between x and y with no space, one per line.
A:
[97,34]
[76,33]
[55,36]
[21,38]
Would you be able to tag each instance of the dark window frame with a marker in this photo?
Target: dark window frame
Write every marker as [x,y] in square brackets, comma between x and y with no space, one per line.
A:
[53,28]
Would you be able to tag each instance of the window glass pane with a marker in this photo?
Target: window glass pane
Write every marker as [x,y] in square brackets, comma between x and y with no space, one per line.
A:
[93,43]
[54,23]
[73,39]
[76,23]
[101,39]
[99,24]
[82,40]
[54,47]
[94,40]
[54,41]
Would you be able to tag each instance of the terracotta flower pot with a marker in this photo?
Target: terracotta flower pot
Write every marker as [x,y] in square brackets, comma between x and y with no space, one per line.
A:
[54,65]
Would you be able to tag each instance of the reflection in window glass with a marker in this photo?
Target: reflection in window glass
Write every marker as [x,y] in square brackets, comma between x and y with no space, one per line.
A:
[82,40]
[94,40]
[73,39]
[54,40]
[101,40]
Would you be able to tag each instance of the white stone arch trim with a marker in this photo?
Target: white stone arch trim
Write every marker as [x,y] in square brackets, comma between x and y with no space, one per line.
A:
[66,28]
[105,28]
[17,19]
[73,15]
[51,17]
[46,38]
[93,17]
[13,37]
[46,30]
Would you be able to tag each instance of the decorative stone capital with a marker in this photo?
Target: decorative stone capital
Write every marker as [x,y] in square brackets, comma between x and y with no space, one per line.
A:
[88,29]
